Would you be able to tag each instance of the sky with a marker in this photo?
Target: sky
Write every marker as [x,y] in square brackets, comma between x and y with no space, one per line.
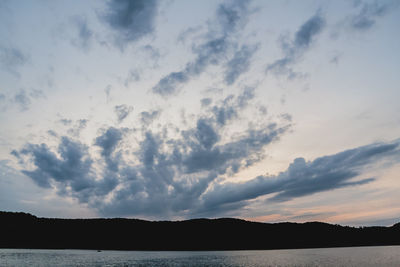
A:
[167,110]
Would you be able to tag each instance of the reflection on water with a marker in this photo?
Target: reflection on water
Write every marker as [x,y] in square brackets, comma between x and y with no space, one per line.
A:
[358,256]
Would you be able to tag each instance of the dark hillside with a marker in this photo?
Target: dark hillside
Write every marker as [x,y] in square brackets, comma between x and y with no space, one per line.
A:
[21,230]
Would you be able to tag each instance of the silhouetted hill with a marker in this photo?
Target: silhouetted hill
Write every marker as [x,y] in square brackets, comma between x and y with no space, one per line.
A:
[21,230]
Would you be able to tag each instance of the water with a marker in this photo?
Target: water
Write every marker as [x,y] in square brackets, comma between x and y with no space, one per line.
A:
[357,256]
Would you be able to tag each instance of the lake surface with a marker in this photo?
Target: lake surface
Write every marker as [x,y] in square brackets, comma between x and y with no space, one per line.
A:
[356,256]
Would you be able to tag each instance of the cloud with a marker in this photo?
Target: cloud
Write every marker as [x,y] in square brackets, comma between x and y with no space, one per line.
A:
[239,64]
[293,50]
[122,111]
[108,143]
[35,93]
[133,76]
[131,20]
[52,133]
[107,90]
[73,166]
[85,34]
[65,122]
[3,105]
[230,18]
[11,59]
[159,175]
[308,31]
[205,102]
[148,117]
[69,171]
[168,85]
[369,13]
[304,178]
[78,127]
[23,100]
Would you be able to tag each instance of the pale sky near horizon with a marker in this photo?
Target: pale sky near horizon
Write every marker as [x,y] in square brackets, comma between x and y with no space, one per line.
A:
[263,110]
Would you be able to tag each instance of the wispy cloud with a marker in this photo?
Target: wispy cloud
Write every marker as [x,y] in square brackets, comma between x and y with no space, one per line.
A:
[294,49]
[85,34]
[369,12]
[11,59]
[23,100]
[230,18]
[304,178]
[122,111]
[239,64]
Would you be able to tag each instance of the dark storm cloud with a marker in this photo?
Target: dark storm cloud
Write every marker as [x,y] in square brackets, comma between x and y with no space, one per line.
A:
[369,12]
[239,64]
[131,19]
[122,111]
[230,18]
[294,49]
[304,178]
[11,59]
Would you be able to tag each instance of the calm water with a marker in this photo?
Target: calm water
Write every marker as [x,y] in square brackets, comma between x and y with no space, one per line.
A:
[359,256]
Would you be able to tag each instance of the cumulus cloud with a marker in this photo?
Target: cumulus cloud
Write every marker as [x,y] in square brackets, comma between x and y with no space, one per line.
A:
[69,171]
[159,175]
[304,178]
[131,20]
[230,18]
[122,111]
[108,143]
[72,167]
[295,48]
